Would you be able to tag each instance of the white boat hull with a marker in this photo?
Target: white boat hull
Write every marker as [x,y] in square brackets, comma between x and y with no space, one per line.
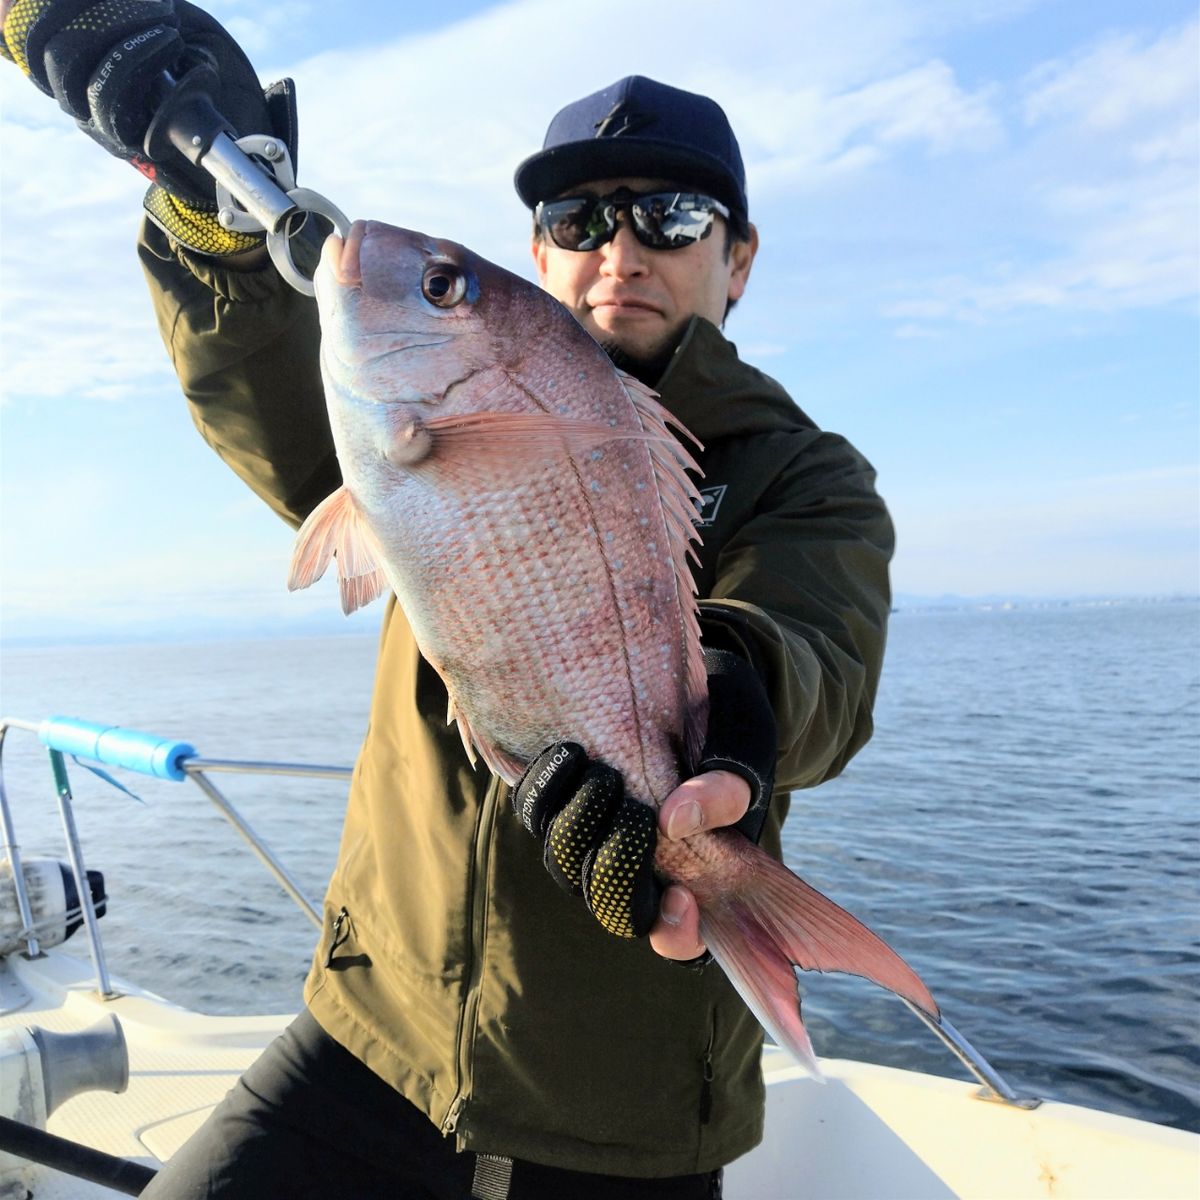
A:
[869,1133]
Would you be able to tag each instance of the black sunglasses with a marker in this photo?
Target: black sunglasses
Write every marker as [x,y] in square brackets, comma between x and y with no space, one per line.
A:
[659,220]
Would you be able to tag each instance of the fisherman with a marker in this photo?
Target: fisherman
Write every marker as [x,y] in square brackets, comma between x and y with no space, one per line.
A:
[469,1028]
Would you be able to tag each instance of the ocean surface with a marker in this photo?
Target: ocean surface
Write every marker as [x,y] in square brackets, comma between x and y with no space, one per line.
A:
[1024,828]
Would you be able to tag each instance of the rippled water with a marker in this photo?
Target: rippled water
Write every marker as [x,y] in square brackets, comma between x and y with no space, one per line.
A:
[1024,828]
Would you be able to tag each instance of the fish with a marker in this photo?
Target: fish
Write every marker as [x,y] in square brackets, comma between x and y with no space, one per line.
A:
[533,509]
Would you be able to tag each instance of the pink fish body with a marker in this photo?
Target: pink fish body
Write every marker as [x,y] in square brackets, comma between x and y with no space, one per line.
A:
[532,511]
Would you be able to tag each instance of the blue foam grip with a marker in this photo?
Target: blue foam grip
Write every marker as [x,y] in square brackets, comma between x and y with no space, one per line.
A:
[144,752]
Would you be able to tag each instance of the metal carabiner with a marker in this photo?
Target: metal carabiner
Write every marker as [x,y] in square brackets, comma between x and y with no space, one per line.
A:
[281,218]
[251,197]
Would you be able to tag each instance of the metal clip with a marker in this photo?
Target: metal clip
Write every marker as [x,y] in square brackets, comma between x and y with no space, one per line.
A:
[256,182]
[231,212]
[253,198]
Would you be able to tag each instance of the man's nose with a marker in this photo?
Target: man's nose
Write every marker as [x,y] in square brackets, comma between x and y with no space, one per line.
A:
[624,255]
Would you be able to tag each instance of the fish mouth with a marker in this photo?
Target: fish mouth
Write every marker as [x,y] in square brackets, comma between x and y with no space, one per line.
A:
[343,255]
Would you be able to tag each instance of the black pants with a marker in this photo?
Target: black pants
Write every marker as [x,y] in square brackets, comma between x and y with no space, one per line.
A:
[308,1120]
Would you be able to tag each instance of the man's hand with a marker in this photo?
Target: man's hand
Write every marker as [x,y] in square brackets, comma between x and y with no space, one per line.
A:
[713,800]
[106,65]
[596,842]
[599,844]
[110,65]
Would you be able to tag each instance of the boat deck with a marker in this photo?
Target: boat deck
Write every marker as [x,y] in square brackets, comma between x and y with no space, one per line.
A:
[180,1063]
[869,1133]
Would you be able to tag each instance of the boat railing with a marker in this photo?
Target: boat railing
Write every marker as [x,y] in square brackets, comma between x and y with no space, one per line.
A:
[165,758]
[151,755]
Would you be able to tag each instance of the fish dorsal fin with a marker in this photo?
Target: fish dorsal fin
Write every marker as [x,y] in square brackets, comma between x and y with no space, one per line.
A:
[680,501]
[336,529]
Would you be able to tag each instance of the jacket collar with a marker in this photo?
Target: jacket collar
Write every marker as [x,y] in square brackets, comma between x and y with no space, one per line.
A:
[715,394]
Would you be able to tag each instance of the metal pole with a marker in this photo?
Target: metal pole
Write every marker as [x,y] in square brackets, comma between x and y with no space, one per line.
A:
[260,848]
[75,850]
[246,767]
[120,1174]
[13,854]
[993,1082]
[257,190]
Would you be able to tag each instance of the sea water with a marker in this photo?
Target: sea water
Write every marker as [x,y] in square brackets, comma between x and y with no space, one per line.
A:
[1023,828]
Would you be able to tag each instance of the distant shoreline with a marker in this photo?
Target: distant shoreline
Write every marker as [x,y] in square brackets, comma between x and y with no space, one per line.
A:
[909,604]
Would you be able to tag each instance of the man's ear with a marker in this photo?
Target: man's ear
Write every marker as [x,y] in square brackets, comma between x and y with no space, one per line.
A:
[741,258]
[537,247]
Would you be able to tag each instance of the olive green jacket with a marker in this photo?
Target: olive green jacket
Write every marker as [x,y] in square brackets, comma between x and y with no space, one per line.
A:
[451,964]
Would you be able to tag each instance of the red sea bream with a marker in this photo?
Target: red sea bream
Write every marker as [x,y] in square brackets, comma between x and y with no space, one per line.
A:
[532,510]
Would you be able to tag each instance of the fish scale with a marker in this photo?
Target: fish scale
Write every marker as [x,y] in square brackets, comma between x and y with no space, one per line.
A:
[570,588]
[531,509]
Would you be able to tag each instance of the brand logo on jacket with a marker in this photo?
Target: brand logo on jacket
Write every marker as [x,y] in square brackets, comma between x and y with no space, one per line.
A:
[710,502]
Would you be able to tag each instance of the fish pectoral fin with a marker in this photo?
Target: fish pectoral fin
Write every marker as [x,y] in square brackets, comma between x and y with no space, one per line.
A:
[776,922]
[335,529]
[509,438]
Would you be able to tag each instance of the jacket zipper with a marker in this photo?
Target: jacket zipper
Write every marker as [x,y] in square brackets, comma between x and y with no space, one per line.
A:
[450,1124]
[337,936]
[477,904]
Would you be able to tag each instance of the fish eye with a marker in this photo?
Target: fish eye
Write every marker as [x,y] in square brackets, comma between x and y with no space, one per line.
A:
[444,285]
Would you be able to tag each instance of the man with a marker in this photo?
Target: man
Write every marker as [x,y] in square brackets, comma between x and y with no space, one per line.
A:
[470,1029]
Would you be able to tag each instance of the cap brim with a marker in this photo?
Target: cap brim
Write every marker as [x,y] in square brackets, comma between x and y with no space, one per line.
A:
[550,173]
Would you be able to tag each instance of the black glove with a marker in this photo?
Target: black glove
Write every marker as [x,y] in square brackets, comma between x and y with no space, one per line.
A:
[599,844]
[104,62]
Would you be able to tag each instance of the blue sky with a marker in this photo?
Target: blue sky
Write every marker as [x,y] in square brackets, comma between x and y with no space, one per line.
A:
[979,261]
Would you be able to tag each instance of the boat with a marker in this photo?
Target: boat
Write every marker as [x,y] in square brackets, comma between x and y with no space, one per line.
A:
[101,1080]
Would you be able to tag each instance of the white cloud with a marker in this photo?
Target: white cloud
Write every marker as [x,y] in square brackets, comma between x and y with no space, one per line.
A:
[1105,195]
[1130,243]
[924,105]
[806,137]
[257,27]
[1119,82]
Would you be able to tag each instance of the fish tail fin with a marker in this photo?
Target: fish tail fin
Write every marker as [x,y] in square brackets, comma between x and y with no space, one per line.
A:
[776,922]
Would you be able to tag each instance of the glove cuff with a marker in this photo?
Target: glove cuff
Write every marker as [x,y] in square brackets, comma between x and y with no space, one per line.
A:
[195,228]
[742,735]
[760,785]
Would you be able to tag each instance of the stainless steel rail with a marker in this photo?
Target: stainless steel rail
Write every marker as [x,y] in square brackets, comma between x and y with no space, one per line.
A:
[256,843]
[12,851]
[194,768]
[995,1087]
[197,769]
[66,811]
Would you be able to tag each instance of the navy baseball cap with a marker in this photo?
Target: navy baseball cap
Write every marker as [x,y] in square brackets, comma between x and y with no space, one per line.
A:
[638,127]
